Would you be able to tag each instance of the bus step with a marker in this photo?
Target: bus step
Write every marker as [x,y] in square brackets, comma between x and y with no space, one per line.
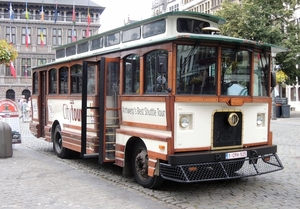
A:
[109,142]
[96,123]
[110,154]
[91,155]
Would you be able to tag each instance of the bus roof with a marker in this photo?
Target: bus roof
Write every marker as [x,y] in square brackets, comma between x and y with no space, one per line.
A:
[171,34]
[212,18]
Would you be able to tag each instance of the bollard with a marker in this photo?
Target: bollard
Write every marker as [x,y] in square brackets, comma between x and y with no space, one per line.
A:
[5,140]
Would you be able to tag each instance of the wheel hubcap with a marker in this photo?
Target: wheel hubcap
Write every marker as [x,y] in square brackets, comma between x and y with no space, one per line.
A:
[142,164]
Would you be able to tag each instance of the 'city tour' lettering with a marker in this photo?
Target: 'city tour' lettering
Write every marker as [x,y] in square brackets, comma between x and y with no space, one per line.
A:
[71,113]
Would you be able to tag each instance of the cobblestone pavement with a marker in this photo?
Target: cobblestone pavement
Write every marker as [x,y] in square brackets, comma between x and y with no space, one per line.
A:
[35,178]
[82,183]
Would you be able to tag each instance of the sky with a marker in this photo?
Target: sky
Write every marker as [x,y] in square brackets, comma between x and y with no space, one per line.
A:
[118,10]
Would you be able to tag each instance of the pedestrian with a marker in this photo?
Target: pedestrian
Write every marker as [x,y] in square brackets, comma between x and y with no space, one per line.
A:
[24,111]
[29,109]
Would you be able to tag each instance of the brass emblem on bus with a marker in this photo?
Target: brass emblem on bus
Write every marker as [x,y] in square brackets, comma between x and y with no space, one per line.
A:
[233,119]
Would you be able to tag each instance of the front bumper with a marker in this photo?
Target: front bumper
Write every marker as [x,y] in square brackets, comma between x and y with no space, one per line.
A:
[212,165]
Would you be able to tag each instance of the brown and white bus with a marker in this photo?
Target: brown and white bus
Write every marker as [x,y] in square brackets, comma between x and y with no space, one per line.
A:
[164,98]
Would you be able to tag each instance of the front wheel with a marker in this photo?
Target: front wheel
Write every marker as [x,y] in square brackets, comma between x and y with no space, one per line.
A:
[60,151]
[140,167]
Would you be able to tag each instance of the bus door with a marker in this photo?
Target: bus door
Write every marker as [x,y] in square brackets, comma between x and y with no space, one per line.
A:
[105,109]
[109,92]
[90,110]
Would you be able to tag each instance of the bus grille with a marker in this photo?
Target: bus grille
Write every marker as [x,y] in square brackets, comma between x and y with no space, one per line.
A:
[225,134]
[230,169]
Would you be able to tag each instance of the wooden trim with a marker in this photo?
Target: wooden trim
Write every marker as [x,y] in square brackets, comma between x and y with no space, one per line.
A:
[119,147]
[150,98]
[226,99]
[218,79]
[270,138]
[173,71]
[119,155]
[170,114]
[144,135]
[251,90]
[155,155]
[121,86]
[236,102]
[119,162]
[151,171]
[196,99]
[255,144]
[142,73]
[151,163]
[143,125]
[261,99]
[192,149]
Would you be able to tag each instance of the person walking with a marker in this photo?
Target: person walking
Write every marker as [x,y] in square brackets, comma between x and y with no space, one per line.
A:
[24,111]
[29,109]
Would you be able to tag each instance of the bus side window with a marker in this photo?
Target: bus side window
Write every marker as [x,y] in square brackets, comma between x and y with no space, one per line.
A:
[132,74]
[52,81]
[63,80]
[156,69]
[76,79]
[91,80]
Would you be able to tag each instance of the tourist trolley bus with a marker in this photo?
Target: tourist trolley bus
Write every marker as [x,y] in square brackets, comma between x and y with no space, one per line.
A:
[167,97]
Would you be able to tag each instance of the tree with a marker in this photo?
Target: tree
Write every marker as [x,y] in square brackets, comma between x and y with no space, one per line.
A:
[7,52]
[267,21]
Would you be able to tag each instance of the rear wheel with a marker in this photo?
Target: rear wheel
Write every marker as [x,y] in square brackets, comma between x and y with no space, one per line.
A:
[140,167]
[57,144]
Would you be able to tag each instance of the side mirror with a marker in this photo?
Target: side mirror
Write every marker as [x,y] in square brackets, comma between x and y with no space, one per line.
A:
[163,65]
[273,79]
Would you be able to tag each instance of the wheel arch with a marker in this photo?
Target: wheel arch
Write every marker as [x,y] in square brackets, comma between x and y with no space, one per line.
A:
[127,169]
[54,124]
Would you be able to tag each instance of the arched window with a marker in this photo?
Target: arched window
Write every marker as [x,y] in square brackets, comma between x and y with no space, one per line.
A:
[76,79]
[10,94]
[26,93]
[52,81]
[63,80]
[156,72]
[132,74]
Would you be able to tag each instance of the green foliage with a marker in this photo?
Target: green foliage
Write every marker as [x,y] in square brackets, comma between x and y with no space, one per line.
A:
[7,52]
[267,21]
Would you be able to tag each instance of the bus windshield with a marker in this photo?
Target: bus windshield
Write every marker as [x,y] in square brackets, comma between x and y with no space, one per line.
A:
[197,71]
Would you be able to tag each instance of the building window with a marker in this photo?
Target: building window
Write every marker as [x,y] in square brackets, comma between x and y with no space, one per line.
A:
[85,34]
[56,37]
[42,36]
[7,71]
[41,61]
[26,35]
[72,34]
[26,64]
[11,34]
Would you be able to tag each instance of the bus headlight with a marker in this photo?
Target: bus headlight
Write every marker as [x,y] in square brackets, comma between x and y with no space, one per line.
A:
[260,120]
[184,122]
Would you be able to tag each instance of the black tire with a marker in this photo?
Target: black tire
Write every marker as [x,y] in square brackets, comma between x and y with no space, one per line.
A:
[57,144]
[140,167]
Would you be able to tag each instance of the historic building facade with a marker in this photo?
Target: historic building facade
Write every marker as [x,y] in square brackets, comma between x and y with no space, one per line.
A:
[35,28]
